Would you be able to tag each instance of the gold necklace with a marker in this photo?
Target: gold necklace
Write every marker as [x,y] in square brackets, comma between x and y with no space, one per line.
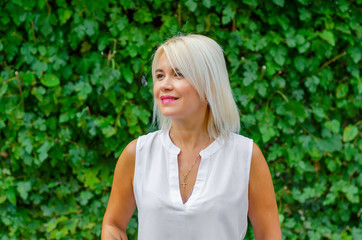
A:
[187,174]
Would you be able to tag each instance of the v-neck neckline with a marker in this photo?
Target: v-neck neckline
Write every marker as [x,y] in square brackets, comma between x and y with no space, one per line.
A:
[205,155]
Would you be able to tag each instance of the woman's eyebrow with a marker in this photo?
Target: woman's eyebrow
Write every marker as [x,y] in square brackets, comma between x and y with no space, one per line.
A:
[160,70]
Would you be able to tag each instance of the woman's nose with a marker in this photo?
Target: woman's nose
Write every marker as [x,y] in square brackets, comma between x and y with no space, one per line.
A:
[166,83]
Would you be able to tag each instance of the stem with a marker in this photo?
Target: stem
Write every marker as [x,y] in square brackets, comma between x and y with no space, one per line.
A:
[10,79]
[114,53]
[109,57]
[18,36]
[33,30]
[49,9]
[358,123]
[179,15]
[333,60]
[353,172]
[262,73]
[88,111]
[283,96]
[301,125]
[245,60]
[20,89]
[114,46]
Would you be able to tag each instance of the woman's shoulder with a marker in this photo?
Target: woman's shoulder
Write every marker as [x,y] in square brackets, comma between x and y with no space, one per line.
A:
[152,134]
[149,138]
[240,139]
[131,147]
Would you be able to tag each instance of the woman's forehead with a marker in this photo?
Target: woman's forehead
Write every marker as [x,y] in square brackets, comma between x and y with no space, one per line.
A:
[164,64]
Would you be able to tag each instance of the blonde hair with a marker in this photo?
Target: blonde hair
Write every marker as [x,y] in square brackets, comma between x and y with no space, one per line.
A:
[201,61]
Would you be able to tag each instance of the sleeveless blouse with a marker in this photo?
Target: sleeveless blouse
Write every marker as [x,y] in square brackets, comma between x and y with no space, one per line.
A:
[218,205]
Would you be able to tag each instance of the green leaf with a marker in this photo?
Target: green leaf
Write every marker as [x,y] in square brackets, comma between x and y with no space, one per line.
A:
[90,177]
[3,89]
[50,80]
[109,131]
[85,197]
[83,88]
[28,52]
[304,14]
[28,144]
[352,193]
[295,108]
[333,125]
[349,133]
[355,54]
[311,83]
[328,36]
[304,47]
[280,3]
[333,164]
[278,82]
[267,132]
[253,3]
[227,15]
[39,67]
[128,75]
[342,91]
[44,149]
[191,4]
[354,70]
[11,195]
[291,42]
[356,233]
[2,199]
[343,6]
[45,26]
[249,77]
[300,40]
[350,151]
[143,16]
[77,154]
[299,63]
[91,27]
[29,78]
[24,188]
[295,154]
[262,88]
[64,15]
[279,54]
[330,145]
[206,3]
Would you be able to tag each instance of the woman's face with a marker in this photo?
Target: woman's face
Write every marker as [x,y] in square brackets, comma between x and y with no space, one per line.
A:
[175,96]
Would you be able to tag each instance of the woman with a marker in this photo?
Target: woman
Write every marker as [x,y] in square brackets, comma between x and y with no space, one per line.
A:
[196,178]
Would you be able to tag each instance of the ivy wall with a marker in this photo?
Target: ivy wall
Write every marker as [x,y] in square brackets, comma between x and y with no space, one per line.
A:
[75,88]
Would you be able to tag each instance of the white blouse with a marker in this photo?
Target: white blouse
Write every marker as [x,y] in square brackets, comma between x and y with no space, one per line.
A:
[218,205]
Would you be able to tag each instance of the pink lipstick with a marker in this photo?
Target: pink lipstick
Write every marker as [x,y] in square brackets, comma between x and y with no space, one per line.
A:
[168,99]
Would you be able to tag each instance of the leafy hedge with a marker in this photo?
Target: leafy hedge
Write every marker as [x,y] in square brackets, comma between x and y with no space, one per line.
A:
[75,88]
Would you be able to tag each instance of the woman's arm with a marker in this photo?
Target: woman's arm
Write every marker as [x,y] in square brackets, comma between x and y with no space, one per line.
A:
[121,204]
[263,211]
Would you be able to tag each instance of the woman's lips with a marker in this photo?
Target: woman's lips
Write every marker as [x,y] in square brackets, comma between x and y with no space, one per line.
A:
[168,99]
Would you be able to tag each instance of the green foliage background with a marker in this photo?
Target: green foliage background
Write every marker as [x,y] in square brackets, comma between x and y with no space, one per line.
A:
[75,88]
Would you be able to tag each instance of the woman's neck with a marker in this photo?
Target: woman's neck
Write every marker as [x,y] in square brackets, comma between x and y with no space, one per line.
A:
[191,137]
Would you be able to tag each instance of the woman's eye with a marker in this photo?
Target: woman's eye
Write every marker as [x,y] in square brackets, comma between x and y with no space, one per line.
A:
[179,75]
[159,76]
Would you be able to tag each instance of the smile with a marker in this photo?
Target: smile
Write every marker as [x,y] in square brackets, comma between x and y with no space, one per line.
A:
[168,99]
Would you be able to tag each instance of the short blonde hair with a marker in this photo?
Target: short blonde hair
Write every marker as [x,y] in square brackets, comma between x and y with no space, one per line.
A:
[201,61]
